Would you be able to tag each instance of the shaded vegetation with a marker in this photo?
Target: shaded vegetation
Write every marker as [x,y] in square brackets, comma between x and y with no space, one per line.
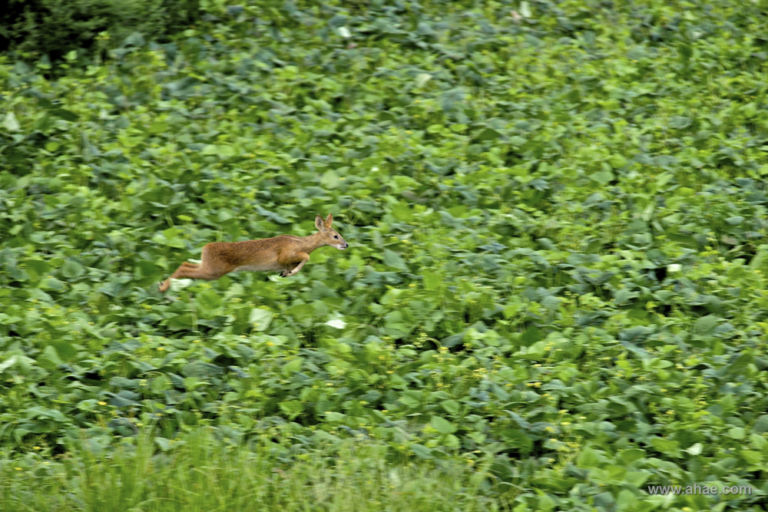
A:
[52,29]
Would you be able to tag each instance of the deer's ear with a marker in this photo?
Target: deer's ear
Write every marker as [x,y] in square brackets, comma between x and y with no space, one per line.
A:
[319,223]
[328,221]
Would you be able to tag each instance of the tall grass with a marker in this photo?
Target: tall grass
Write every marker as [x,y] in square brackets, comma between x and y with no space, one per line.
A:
[206,475]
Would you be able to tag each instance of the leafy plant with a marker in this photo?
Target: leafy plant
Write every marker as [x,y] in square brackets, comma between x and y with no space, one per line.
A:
[555,211]
[54,28]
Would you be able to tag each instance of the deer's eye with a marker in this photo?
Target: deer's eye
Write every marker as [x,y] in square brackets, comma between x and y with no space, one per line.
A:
[336,237]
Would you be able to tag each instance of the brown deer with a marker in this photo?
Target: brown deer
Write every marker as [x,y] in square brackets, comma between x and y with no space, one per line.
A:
[286,253]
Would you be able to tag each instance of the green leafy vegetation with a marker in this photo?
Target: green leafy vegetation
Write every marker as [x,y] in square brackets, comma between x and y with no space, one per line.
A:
[201,474]
[55,28]
[554,294]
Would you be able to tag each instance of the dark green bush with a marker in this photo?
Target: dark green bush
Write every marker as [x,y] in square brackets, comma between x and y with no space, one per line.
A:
[55,27]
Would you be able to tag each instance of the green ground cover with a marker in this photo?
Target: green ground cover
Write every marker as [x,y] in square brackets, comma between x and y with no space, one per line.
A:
[554,295]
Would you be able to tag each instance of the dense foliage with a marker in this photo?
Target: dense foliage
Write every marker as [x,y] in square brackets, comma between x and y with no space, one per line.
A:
[556,214]
[53,28]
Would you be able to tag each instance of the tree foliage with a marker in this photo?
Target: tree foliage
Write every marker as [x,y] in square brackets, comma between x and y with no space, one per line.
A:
[53,28]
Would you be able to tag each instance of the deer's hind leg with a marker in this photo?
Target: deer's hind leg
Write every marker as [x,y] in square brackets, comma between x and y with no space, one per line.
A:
[207,269]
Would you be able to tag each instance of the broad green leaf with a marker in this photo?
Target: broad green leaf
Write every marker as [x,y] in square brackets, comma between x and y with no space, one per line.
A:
[451,406]
[292,366]
[72,269]
[291,408]
[260,319]
[392,259]
[10,123]
[760,426]
[706,324]
[442,425]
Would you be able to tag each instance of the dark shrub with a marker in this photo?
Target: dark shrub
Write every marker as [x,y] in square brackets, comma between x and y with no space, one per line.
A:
[54,27]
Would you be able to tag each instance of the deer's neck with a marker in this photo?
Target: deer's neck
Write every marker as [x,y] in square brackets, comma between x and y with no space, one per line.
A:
[311,242]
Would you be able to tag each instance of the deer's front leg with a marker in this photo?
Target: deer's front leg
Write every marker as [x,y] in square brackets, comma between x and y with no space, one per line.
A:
[304,259]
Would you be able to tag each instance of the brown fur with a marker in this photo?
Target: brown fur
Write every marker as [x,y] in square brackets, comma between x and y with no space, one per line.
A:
[286,253]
